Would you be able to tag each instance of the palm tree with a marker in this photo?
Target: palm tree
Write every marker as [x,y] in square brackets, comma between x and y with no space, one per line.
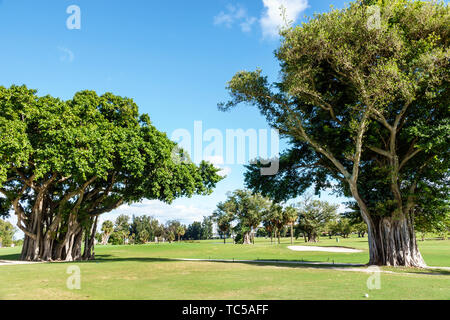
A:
[290,215]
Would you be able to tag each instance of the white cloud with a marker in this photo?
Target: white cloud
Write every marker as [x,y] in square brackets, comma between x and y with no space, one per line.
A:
[246,26]
[235,14]
[272,19]
[186,214]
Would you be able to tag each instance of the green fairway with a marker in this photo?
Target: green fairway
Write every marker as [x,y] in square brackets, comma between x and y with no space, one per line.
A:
[146,272]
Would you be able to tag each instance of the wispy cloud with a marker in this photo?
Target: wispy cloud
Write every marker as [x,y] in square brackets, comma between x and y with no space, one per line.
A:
[186,214]
[66,55]
[246,26]
[272,19]
[235,15]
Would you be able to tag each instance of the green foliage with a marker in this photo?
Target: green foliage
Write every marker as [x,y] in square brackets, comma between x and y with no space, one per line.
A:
[194,231]
[98,237]
[7,231]
[207,228]
[170,236]
[262,232]
[181,231]
[107,227]
[246,208]
[365,107]
[223,218]
[145,228]
[118,238]
[344,227]
[172,226]
[122,224]
[176,228]
[239,238]
[99,147]
[314,217]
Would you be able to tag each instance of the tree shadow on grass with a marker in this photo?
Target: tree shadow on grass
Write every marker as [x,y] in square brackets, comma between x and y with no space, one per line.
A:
[103,258]
[273,263]
[14,257]
[268,262]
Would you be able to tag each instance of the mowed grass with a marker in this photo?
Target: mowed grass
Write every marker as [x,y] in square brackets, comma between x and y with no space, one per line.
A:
[147,272]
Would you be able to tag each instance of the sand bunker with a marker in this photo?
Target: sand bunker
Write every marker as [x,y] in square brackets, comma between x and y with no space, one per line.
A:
[323,249]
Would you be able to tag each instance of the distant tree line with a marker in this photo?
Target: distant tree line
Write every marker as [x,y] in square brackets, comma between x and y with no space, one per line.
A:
[246,215]
[144,229]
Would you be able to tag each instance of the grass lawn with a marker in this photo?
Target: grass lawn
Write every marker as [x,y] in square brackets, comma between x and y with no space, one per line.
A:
[146,272]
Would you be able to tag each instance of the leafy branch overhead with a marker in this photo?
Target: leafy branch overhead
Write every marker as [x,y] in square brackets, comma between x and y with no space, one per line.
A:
[366,112]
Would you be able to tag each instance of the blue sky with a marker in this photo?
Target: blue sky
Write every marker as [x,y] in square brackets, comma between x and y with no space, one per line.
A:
[172,57]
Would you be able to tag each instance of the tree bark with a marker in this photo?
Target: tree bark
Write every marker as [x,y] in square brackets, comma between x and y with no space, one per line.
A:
[312,237]
[89,253]
[393,243]
[292,233]
[247,238]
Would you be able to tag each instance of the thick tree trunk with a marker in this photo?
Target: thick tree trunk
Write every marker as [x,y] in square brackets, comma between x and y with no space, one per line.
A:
[27,249]
[247,238]
[89,253]
[392,242]
[312,237]
[292,233]
[277,235]
[105,238]
[42,247]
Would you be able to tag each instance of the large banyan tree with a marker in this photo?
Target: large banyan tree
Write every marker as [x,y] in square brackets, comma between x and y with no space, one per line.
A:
[363,98]
[64,163]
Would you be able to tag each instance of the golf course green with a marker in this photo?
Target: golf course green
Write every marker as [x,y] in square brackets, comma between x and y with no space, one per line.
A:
[153,272]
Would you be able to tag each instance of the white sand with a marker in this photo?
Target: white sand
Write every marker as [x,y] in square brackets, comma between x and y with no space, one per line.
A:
[14,262]
[323,249]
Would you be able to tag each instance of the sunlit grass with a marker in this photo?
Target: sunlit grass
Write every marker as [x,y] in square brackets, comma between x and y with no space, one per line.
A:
[147,272]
